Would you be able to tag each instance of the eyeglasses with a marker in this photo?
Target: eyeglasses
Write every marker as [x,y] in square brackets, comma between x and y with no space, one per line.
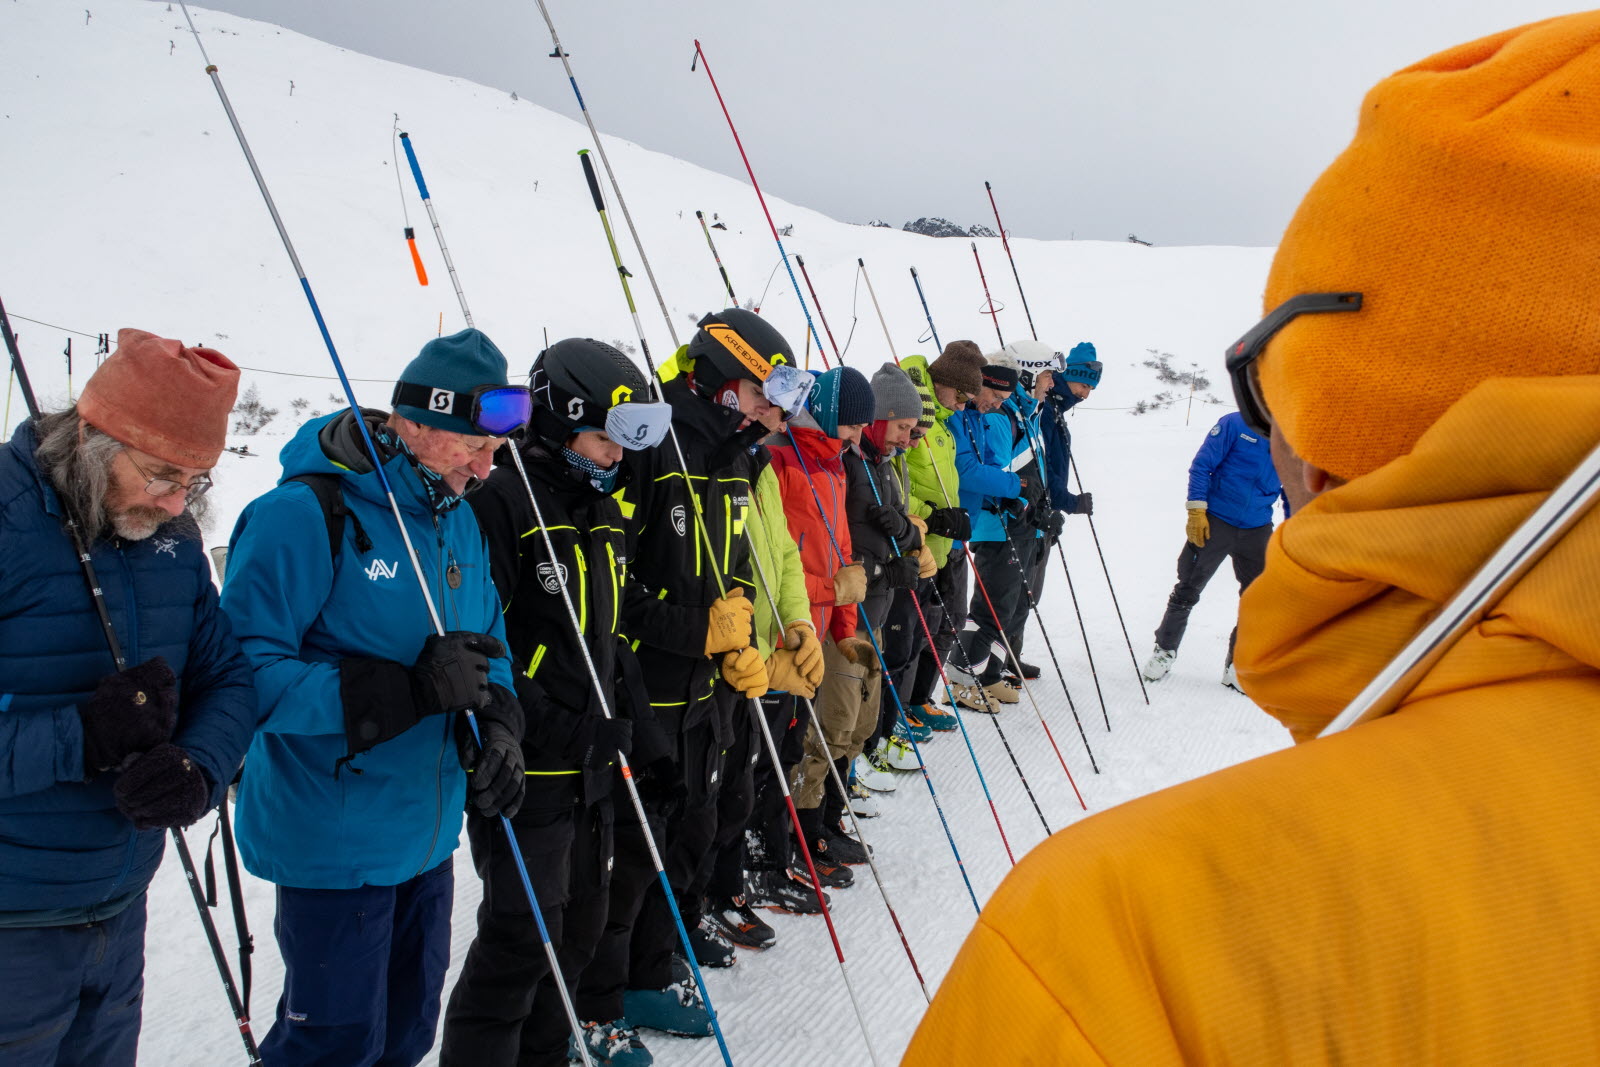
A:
[494,410]
[163,487]
[1241,356]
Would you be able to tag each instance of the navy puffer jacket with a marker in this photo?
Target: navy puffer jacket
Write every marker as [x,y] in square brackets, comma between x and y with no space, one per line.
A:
[64,846]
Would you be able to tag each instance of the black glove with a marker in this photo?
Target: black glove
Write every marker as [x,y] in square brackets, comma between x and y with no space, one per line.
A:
[383,699]
[953,523]
[891,520]
[131,712]
[1013,508]
[597,742]
[1085,504]
[163,788]
[1053,525]
[497,768]
[1032,492]
[901,572]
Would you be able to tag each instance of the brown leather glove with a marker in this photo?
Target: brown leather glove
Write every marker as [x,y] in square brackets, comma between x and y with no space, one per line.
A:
[927,566]
[850,584]
[783,673]
[1198,530]
[729,622]
[800,640]
[858,650]
[745,671]
[922,527]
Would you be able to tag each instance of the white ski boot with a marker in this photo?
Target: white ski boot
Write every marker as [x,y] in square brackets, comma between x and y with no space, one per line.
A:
[1159,663]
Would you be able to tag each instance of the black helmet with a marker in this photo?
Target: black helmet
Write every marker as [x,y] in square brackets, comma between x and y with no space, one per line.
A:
[575,383]
[738,344]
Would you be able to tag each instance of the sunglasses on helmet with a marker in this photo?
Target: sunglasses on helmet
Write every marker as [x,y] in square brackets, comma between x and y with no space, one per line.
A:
[1241,357]
[494,410]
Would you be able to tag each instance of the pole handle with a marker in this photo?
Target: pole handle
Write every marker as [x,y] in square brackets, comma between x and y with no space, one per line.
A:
[416,171]
[594,183]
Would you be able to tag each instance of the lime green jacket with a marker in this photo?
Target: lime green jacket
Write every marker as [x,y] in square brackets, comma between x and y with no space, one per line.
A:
[932,464]
[777,560]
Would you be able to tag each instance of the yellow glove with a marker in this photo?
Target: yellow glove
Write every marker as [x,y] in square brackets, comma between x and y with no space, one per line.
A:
[729,622]
[800,640]
[745,672]
[1198,531]
[850,584]
[784,673]
[922,528]
[858,650]
[927,566]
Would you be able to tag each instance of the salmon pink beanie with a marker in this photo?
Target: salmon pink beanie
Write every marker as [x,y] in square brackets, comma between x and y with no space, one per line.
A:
[157,396]
[1467,211]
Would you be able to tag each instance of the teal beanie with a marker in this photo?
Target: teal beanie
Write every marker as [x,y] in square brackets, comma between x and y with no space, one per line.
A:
[1078,360]
[461,363]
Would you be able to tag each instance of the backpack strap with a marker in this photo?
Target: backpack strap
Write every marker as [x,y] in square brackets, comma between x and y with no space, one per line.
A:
[330,495]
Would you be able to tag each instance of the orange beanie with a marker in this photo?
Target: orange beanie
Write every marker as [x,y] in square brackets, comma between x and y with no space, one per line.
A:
[157,396]
[1467,209]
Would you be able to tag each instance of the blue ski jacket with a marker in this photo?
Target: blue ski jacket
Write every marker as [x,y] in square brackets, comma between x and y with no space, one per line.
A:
[394,811]
[67,855]
[1053,436]
[1233,476]
[986,462]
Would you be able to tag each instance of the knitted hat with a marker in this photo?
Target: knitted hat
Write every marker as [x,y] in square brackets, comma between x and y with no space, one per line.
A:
[1467,211]
[460,363]
[894,395]
[999,376]
[1078,369]
[157,396]
[960,366]
[841,397]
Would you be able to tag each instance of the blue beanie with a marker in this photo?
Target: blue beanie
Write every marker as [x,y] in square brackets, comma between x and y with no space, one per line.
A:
[1077,369]
[461,363]
[841,397]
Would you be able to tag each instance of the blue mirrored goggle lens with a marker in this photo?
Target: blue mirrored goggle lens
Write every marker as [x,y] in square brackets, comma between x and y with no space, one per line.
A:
[500,411]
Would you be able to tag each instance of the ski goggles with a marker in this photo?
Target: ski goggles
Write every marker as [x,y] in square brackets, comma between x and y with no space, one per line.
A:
[638,426]
[787,388]
[493,410]
[1241,356]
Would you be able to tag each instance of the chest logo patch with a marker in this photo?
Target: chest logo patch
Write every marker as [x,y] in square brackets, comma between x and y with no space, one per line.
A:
[552,576]
[680,520]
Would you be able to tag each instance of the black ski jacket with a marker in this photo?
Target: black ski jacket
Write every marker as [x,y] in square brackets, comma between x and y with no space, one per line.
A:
[672,582]
[558,695]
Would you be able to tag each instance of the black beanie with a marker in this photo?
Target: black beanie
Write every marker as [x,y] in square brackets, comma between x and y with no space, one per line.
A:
[998,376]
[856,403]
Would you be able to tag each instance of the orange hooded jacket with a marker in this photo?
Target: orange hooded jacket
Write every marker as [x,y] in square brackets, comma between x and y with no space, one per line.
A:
[1421,889]
[824,539]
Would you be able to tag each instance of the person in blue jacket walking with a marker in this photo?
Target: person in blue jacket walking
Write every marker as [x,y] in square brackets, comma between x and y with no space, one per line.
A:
[1232,487]
[353,792]
[96,762]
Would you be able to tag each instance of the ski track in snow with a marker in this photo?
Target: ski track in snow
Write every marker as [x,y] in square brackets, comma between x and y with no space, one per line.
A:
[131,205]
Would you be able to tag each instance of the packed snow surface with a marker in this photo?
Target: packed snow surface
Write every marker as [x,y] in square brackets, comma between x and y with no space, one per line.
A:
[129,203]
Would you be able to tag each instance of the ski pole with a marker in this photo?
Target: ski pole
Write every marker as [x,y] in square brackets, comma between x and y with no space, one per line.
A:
[405,212]
[862,267]
[1004,243]
[427,202]
[733,301]
[81,547]
[388,490]
[994,312]
[626,769]
[823,315]
[833,768]
[900,711]
[703,534]
[616,189]
[1049,497]
[928,314]
[1110,586]
[700,57]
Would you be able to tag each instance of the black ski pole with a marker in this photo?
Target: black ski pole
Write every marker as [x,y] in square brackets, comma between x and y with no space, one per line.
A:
[93,581]
[928,314]
[1006,244]
[733,301]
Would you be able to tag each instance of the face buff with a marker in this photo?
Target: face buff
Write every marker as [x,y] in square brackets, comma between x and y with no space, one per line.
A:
[439,494]
[602,478]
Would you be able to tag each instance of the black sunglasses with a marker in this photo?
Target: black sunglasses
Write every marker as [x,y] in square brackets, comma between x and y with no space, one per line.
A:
[1243,352]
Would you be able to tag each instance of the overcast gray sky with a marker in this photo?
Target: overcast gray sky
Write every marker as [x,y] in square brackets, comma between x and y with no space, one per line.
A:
[1185,122]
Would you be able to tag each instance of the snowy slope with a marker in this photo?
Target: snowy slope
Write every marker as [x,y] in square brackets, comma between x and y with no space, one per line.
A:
[130,204]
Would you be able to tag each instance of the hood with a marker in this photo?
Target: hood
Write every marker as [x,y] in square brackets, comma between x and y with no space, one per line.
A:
[1356,573]
[816,444]
[332,444]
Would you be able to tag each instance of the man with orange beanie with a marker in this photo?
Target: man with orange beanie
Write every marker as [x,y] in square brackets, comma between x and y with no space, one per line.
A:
[97,758]
[1419,888]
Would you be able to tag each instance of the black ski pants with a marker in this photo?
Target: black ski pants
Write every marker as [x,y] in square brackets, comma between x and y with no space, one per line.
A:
[1005,608]
[1248,550]
[761,842]
[505,1007]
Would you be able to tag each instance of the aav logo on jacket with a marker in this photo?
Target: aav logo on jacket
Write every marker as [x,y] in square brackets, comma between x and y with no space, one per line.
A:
[552,576]
[680,520]
[379,569]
